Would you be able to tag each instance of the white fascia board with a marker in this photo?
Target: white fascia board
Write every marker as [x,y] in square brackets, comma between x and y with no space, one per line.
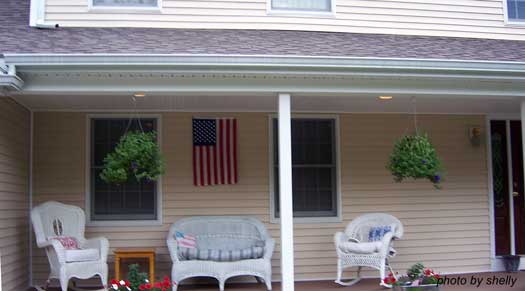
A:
[258,62]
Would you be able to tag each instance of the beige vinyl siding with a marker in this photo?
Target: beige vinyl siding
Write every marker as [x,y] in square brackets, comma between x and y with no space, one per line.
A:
[446,229]
[460,18]
[14,196]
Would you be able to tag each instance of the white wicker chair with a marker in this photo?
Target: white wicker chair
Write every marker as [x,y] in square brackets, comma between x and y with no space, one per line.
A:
[54,219]
[234,230]
[359,229]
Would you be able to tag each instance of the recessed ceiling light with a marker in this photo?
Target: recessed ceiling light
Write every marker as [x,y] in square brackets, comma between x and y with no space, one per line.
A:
[385,97]
[139,94]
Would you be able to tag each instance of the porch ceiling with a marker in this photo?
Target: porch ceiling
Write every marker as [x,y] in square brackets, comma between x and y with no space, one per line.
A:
[266,102]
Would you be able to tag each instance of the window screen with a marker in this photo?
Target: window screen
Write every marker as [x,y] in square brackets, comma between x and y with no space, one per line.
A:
[130,200]
[125,3]
[313,167]
[303,5]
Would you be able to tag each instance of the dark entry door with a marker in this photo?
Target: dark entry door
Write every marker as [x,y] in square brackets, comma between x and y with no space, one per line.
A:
[508,187]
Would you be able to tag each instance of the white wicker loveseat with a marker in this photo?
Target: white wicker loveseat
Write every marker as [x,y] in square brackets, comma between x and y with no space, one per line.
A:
[367,242]
[225,233]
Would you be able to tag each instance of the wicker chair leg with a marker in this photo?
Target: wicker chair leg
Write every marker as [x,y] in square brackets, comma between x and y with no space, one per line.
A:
[350,282]
[268,283]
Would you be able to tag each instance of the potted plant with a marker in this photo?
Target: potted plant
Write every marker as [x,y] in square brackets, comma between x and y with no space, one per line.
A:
[511,262]
[138,282]
[136,156]
[417,278]
[414,157]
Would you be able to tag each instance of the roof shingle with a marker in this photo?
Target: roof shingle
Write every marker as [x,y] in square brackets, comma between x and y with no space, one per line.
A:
[17,37]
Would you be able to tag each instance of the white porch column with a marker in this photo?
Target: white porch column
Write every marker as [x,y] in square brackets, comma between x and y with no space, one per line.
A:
[285,193]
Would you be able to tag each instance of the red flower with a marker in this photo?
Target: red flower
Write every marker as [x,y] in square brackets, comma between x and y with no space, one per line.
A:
[163,289]
[166,279]
[126,283]
[158,285]
[428,272]
[148,286]
[113,281]
[389,280]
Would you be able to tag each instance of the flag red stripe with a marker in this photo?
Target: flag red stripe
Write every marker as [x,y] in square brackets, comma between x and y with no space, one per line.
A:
[221,156]
[208,167]
[194,166]
[201,164]
[216,174]
[234,151]
[228,156]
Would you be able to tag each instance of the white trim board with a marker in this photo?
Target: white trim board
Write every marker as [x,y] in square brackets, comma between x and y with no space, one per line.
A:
[87,170]
[334,219]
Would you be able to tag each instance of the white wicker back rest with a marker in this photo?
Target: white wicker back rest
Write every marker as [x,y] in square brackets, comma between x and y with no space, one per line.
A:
[52,219]
[359,228]
[220,226]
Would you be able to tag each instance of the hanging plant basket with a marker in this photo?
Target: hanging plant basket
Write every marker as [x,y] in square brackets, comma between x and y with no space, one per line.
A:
[415,157]
[136,156]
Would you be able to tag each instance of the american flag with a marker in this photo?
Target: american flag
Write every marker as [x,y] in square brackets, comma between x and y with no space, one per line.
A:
[185,241]
[214,151]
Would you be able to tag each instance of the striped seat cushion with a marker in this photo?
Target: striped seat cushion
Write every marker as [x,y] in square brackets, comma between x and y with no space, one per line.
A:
[254,252]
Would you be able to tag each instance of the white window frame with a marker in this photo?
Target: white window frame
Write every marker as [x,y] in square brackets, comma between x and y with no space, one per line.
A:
[509,22]
[89,221]
[332,219]
[120,9]
[307,13]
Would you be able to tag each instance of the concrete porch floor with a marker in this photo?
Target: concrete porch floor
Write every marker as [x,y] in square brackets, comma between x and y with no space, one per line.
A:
[456,282]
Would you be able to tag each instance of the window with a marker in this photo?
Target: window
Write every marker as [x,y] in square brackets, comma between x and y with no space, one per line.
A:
[314,167]
[302,5]
[126,3]
[516,10]
[130,200]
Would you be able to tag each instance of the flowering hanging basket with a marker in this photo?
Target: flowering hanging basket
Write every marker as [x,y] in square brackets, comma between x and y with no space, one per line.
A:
[415,157]
[136,156]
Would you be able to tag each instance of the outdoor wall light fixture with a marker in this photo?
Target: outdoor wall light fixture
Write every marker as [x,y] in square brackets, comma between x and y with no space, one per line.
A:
[384,97]
[474,135]
[139,95]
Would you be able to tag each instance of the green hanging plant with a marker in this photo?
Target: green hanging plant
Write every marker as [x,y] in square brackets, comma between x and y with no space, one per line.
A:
[415,157]
[137,156]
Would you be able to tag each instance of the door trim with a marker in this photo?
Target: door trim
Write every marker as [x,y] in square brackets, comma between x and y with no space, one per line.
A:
[496,261]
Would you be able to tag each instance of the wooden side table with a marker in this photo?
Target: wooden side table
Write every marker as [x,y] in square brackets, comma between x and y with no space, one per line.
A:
[127,253]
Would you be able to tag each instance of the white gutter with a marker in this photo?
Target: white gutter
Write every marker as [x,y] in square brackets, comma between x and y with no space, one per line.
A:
[281,62]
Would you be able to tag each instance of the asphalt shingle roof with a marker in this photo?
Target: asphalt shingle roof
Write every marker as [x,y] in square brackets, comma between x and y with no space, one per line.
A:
[17,37]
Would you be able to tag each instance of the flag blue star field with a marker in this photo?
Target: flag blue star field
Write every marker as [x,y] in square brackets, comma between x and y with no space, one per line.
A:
[214,151]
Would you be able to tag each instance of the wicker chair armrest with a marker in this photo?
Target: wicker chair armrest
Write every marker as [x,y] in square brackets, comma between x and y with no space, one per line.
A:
[57,247]
[173,248]
[339,238]
[386,241]
[269,246]
[100,243]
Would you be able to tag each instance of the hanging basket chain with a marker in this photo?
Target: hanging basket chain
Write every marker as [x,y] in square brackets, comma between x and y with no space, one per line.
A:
[414,110]
[134,115]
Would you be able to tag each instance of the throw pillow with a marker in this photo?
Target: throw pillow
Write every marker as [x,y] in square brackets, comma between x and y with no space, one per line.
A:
[68,242]
[376,233]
